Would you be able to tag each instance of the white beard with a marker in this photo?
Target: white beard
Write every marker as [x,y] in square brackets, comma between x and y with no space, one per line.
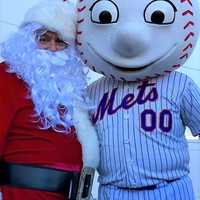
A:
[55,79]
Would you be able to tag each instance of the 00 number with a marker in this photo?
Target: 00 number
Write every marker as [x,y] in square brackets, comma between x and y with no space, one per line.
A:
[150,120]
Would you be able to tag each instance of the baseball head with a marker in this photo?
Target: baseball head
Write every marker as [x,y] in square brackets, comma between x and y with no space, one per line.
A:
[133,40]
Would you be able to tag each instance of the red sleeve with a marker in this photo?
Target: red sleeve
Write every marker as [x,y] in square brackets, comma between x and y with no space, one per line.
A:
[7,103]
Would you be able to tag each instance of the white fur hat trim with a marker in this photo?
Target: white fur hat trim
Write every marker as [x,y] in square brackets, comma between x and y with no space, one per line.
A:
[56,15]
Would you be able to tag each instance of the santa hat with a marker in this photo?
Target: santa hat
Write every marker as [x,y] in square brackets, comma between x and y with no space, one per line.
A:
[56,15]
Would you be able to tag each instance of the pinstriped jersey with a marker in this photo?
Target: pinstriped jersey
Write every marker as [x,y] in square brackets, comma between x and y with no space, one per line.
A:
[141,128]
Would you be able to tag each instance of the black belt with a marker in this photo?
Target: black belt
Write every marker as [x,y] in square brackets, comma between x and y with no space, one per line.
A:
[149,187]
[39,178]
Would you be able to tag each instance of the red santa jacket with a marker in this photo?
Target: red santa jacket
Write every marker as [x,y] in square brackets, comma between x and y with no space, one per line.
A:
[21,138]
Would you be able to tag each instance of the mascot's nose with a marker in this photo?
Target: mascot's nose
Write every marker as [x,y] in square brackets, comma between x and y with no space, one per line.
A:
[128,42]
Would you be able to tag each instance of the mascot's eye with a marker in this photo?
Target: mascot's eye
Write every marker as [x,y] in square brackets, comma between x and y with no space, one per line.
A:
[160,12]
[104,12]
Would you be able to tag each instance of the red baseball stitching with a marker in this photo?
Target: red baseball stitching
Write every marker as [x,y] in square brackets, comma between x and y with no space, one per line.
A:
[156,74]
[80,21]
[167,71]
[187,1]
[188,12]
[187,47]
[190,23]
[184,56]
[78,32]
[189,35]
[176,66]
[81,9]
[78,42]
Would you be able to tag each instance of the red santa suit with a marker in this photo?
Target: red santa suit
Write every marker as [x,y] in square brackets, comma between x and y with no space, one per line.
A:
[23,141]
[23,138]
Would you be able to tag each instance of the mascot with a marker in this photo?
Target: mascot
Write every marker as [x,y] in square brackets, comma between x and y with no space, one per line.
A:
[142,104]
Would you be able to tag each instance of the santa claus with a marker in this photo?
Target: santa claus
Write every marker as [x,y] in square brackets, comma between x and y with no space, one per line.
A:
[43,108]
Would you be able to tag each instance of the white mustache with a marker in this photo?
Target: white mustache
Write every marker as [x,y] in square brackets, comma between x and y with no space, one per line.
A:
[55,58]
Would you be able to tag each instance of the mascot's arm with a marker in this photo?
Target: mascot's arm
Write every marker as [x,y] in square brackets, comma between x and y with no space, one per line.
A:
[87,137]
[90,152]
[190,105]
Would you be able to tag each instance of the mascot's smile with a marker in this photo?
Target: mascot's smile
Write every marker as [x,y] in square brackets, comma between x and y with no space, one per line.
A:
[126,69]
